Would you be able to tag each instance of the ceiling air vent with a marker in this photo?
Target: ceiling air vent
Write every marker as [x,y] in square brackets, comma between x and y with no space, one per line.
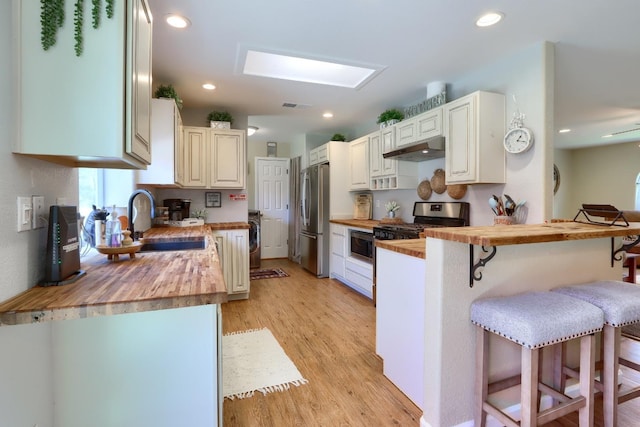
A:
[294,105]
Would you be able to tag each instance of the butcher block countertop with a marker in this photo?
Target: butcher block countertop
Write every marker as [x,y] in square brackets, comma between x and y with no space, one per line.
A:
[499,235]
[412,247]
[357,223]
[150,281]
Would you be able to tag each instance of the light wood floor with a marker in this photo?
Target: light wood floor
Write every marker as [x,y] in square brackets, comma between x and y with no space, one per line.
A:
[328,330]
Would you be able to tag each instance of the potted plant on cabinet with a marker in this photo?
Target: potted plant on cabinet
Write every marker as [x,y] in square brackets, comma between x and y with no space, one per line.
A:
[390,117]
[167,91]
[220,119]
[338,137]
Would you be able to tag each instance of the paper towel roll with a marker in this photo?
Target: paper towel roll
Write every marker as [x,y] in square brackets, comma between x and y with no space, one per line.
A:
[99,232]
[435,88]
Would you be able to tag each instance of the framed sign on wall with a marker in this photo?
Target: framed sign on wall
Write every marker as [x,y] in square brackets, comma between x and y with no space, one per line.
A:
[212,199]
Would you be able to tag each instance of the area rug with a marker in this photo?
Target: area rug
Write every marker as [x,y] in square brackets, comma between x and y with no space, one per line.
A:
[267,273]
[254,361]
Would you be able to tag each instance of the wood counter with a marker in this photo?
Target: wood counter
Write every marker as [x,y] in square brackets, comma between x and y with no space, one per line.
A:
[150,281]
[357,223]
[499,235]
[412,247]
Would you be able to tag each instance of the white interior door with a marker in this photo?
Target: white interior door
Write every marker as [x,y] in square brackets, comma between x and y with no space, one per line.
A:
[272,187]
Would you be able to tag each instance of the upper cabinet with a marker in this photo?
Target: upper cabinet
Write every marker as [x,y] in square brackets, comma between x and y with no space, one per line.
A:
[474,128]
[418,128]
[359,163]
[214,158]
[93,110]
[321,154]
[167,164]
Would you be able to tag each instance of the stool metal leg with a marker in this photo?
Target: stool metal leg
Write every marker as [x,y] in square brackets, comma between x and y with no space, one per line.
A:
[482,376]
[529,387]
[611,344]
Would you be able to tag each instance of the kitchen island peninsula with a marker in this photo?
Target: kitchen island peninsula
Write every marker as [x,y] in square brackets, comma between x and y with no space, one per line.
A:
[132,335]
[527,258]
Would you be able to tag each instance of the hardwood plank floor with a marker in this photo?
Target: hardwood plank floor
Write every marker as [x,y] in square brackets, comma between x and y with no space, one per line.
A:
[328,331]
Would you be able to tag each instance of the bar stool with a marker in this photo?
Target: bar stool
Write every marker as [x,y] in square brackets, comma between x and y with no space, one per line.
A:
[535,320]
[620,303]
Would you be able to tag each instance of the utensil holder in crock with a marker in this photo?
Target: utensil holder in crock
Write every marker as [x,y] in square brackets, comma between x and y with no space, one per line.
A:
[502,220]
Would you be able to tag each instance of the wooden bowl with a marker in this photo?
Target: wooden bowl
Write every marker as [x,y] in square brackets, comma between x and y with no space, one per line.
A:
[113,253]
[457,191]
[438,181]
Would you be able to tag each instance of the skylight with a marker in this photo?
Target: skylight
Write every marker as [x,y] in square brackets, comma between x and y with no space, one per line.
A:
[277,66]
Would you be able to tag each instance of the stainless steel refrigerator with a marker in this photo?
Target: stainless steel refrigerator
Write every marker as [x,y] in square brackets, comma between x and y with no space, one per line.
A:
[314,233]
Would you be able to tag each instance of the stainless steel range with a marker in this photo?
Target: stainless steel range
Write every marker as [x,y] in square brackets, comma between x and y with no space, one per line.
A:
[426,214]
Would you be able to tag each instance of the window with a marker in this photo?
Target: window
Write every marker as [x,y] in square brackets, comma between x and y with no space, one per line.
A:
[90,190]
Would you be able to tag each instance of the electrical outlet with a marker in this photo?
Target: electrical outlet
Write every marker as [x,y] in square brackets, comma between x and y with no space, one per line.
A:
[25,212]
[39,212]
[377,203]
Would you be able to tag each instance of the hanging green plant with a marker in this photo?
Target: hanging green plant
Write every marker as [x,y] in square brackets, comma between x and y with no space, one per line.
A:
[51,19]
[78,17]
[110,4]
[95,13]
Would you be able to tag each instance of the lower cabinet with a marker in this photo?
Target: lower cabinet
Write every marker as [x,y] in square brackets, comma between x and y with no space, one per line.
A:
[353,272]
[233,251]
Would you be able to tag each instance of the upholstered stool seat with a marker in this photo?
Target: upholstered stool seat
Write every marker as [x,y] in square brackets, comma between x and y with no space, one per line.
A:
[535,320]
[620,303]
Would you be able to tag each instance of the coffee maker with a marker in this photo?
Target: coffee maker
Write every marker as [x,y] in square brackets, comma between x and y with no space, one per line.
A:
[178,208]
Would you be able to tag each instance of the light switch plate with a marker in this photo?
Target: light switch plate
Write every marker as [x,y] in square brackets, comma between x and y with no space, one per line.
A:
[39,212]
[25,211]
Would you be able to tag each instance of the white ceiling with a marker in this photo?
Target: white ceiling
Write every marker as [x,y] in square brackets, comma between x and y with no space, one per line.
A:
[418,41]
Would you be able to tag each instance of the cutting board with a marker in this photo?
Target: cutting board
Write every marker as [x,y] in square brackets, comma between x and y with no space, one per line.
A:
[363,206]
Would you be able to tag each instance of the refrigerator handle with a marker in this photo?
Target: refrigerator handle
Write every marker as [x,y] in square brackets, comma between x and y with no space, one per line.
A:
[311,236]
[304,201]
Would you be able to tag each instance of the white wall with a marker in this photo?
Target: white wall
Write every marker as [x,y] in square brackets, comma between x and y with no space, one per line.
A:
[25,373]
[605,175]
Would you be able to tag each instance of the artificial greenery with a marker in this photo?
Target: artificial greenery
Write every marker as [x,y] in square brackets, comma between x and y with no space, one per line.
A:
[78,18]
[51,19]
[220,116]
[95,13]
[167,91]
[390,114]
[338,137]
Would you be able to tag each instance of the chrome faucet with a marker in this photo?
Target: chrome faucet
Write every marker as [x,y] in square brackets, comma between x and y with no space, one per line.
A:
[130,207]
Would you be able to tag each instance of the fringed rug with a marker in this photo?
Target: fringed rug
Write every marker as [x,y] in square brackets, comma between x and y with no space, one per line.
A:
[267,273]
[254,361]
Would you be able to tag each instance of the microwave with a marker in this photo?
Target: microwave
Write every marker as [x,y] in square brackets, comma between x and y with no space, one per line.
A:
[361,245]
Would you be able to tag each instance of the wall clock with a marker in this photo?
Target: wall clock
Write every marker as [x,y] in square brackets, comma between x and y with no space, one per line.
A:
[518,138]
[556,179]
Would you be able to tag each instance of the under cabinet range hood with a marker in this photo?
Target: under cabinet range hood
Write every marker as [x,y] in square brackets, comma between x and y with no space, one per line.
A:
[431,148]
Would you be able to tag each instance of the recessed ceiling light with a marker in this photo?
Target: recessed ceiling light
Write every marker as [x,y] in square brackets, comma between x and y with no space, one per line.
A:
[607,136]
[287,67]
[251,130]
[209,86]
[327,115]
[564,130]
[177,21]
[489,19]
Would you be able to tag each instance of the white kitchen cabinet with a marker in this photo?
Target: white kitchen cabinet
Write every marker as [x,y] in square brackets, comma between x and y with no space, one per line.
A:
[474,129]
[195,142]
[418,128]
[228,157]
[167,165]
[389,174]
[400,301]
[101,116]
[321,154]
[214,158]
[353,272]
[359,163]
[233,251]
[338,251]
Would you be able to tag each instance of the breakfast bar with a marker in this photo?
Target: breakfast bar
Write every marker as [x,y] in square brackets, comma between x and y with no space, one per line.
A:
[527,258]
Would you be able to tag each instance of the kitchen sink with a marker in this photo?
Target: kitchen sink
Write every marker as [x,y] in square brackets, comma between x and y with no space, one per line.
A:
[180,245]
